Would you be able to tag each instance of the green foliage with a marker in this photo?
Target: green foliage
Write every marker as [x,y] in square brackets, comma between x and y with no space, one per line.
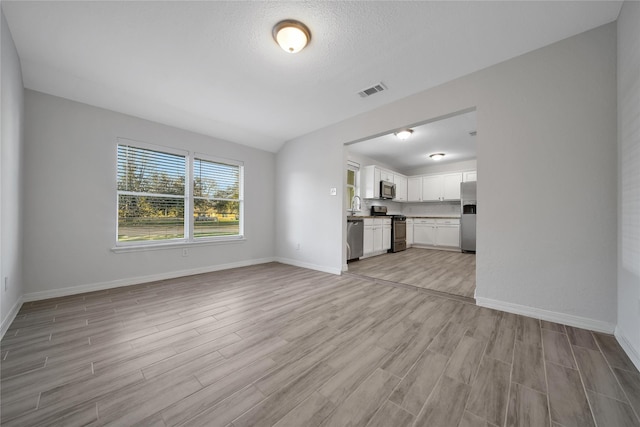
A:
[159,213]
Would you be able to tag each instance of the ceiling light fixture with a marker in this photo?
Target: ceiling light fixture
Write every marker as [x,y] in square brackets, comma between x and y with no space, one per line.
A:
[436,156]
[291,35]
[404,134]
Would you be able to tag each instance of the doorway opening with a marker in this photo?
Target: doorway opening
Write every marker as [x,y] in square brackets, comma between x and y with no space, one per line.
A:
[433,195]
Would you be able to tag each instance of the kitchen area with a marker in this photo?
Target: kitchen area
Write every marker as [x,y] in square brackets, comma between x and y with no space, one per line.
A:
[412,205]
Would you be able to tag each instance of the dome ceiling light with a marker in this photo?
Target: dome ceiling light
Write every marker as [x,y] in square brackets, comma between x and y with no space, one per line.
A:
[404,134]
[436,156]
[291,35]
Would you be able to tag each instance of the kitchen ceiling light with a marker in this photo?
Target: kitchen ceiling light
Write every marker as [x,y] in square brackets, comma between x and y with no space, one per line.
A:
[436,156]
[404,134]
[292,36]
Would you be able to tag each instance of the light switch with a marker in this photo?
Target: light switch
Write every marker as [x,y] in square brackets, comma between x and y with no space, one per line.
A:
[333,191]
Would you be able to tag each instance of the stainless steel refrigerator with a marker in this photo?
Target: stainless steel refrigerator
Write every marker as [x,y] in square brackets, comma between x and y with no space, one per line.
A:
[468,203]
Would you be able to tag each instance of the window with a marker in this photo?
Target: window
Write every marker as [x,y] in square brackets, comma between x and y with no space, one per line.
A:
[352,183]
[151,194]
[216,204]
[155,203]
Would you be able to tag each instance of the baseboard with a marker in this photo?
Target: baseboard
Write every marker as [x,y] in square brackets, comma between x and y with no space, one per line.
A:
[437,248]
[372,254]
[551,316]
[73,290]
[627,347]
[310,266]
[10,317]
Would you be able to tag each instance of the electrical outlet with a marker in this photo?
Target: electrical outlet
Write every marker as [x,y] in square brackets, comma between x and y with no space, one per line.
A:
[6,284]
[298,247]
[185,252]
[333,191]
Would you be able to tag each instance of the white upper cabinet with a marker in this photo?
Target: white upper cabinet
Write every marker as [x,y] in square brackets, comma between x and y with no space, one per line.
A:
[386,175]
[370,182]
[469,176]
[438,188]
[432,188]
[451,186]
[401,188]
[414,189]
[425,188]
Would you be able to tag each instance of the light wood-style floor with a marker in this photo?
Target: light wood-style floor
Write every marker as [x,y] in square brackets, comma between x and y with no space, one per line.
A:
[280,345]
[443,271]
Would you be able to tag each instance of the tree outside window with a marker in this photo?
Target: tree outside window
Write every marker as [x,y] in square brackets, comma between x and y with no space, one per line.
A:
[153,204]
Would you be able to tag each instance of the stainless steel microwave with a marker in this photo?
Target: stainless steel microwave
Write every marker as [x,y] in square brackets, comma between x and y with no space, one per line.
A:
[387,190]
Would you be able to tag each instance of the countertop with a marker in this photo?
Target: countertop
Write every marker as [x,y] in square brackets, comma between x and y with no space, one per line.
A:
[408,216]
[435,216]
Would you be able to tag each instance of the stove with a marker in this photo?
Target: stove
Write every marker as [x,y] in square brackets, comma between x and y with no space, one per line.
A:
[379,211]
[398,228]
[398,233]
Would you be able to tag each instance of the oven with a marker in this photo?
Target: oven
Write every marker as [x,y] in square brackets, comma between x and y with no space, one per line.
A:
[398,233]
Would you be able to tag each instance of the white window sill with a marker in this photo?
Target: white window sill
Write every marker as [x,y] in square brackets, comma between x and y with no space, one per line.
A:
[174,245]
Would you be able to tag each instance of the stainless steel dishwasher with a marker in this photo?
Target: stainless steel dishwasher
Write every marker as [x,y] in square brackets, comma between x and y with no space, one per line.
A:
[355,236]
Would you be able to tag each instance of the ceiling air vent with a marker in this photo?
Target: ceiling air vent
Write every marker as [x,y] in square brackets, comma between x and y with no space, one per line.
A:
[379,87]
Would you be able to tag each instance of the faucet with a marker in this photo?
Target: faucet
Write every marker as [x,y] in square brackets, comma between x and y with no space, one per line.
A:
[355,206]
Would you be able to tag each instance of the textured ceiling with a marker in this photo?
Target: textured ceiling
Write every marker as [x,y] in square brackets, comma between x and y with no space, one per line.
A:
[449,136]
[213,67]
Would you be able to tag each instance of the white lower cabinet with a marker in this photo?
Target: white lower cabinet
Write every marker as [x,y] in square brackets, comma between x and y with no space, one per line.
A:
[367,239]
[443,232]
[377,236]
[448,235]
[409,232]
[424,232]
[386,235]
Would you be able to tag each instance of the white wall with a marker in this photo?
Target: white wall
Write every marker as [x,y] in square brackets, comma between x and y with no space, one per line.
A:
[628,331]
[11,157]
[366,161]
[308,215]
[70,200]
[447,167]
[546,137]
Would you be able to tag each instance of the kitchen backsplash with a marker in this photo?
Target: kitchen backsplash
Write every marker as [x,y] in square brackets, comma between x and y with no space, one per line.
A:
[417,209]
[393,208]
[436,209]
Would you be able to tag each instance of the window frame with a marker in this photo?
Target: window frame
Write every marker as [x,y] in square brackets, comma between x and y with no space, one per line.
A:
[189,239]
[215,159]
[355,167]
